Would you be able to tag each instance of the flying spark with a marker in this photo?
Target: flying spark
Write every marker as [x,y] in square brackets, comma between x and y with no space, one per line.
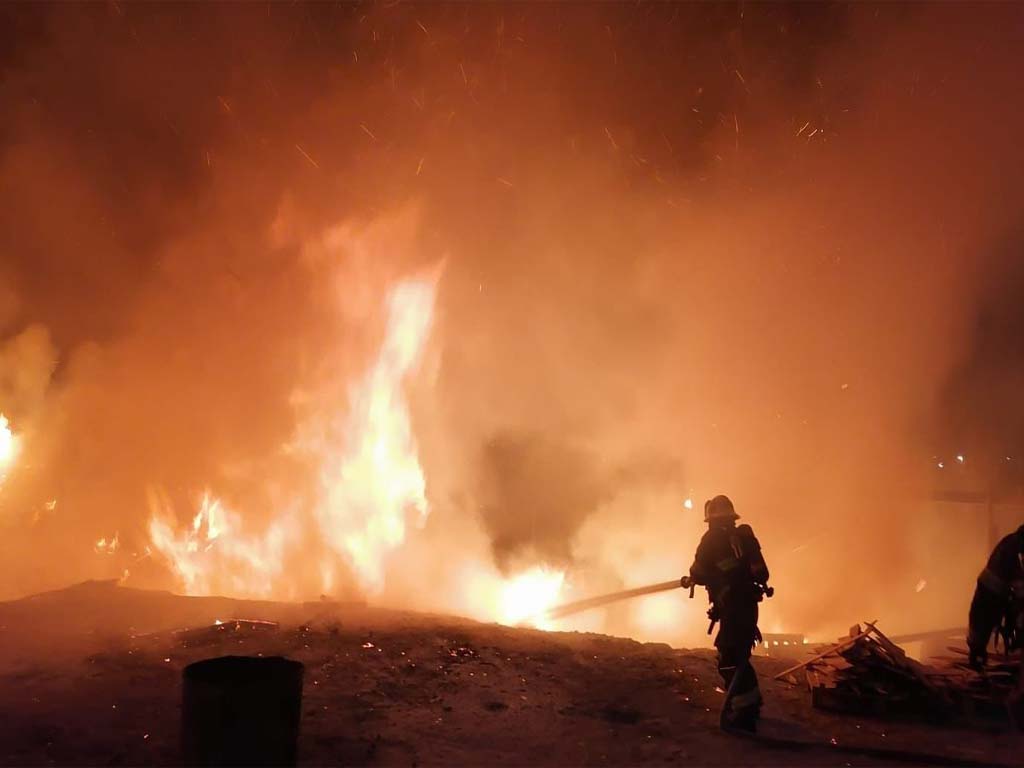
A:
[306,155]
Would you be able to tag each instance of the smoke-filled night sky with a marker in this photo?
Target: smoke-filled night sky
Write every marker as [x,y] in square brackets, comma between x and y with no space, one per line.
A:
[679,250]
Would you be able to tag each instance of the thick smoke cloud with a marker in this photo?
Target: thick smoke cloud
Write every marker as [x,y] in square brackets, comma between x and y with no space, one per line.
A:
[686,249]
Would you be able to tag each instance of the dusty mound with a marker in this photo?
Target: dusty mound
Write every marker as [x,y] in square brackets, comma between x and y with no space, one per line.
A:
[91,675]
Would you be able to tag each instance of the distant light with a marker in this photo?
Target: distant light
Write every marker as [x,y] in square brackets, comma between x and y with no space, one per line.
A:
[688,503]
[806,641]
[941,465]
[960,458]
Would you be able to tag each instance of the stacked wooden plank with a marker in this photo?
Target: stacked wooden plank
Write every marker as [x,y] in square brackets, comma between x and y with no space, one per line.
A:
[866,673]
[871,675]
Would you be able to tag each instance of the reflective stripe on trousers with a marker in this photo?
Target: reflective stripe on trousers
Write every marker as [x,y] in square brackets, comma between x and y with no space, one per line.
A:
[751,698]
[743,695]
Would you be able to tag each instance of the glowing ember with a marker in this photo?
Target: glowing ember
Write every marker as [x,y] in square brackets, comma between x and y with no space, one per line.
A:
[527,596]
[106,546]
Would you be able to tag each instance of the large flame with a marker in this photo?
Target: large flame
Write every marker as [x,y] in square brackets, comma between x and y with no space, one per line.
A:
[375,480]
[521,598]
[526,597]
[213,555]
[370,484]
[370,481]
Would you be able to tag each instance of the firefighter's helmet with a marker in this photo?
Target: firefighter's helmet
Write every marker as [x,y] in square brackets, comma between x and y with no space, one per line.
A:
[719,508]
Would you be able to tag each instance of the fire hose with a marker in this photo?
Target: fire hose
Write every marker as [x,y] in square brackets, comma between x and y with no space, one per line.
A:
[568,609]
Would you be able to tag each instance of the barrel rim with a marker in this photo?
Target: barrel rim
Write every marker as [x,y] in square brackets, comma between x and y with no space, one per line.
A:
[243,670]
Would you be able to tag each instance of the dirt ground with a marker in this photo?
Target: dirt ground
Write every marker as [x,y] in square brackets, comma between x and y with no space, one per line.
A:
[91,675]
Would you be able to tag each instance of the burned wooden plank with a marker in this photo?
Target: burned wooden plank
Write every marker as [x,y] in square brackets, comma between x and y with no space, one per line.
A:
[868,674]
[834,649]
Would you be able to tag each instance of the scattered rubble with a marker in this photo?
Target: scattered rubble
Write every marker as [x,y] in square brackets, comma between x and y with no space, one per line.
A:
[200,636]
[866,673]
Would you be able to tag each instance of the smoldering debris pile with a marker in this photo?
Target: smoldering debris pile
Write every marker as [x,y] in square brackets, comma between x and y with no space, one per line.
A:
[866,673]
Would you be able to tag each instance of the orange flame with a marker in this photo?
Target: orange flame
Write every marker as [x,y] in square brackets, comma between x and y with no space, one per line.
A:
[519,599]
[213,555]
[105,546]
[371,485]
[525,598]
[8,445]
[370,481]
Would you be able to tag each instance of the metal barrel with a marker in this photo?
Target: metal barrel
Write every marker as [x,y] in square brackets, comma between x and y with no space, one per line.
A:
[241,710]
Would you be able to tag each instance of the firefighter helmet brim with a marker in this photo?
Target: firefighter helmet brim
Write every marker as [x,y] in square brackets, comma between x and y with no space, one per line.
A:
[719,508]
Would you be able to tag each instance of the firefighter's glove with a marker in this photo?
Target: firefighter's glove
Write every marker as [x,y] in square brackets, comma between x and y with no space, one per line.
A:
[686,582]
